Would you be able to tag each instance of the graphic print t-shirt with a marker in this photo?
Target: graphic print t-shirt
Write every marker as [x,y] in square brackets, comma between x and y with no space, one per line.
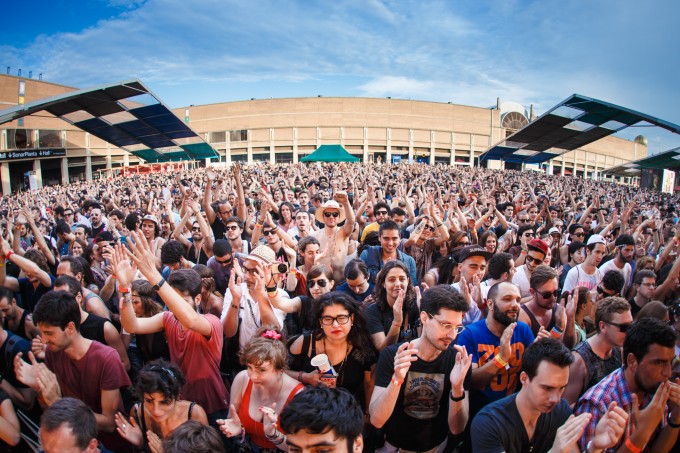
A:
[419,421]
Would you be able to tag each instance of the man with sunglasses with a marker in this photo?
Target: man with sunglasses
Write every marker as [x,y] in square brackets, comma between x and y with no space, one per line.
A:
[543,312]
[642,387]
[332,213]
[600,354]
[625,252]
[222,264]
[382,212]
[587,273]
[535,253]
[421,387]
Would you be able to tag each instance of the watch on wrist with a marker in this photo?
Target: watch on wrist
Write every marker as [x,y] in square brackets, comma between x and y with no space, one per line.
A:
[158,285]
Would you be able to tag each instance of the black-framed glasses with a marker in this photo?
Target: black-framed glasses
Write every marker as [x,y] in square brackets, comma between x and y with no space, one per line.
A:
[381,213]
[523,220]
[195,228]
[623,328]
[231,228]
[322,283]
[529,235]
[531,259]
[549,294]
[267,233]
[331,214]
[340,319]
[445,326]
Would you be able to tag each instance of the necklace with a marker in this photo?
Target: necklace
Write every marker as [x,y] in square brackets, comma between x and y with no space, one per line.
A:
[342,365]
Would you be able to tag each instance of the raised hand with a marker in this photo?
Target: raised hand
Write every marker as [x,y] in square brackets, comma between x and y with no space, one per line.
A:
[397,308]
[143,256]
[542,333]
[25,373]
[460,368]
[505,350]
[567,435]
[125,272]
[129,430]
[235,287]
[406,354]
[610,428]
[231,427]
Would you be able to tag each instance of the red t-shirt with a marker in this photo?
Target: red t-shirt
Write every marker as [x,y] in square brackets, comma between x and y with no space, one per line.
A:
[199,359]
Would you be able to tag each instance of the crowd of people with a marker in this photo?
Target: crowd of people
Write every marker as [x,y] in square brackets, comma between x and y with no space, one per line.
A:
[340,307]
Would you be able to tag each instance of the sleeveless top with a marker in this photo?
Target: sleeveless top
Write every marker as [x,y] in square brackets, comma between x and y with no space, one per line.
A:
[256,429]
[597,367]
[141,421]
[535,325]
[93,328]
[191,255]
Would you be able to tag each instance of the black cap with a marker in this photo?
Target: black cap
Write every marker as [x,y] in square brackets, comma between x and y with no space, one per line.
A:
[473,250]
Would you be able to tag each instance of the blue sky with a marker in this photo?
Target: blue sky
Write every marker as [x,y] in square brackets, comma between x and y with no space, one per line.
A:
[466,52]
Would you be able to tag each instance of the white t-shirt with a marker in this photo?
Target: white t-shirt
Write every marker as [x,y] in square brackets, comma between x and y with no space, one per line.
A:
[627,272]
[521,280]
[578,277]
[249,313]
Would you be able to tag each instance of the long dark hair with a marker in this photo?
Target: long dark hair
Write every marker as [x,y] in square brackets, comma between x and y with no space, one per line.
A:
[380,293]
[358,337]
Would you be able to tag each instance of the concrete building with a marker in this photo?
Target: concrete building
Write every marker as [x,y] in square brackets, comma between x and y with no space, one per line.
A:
[284,130]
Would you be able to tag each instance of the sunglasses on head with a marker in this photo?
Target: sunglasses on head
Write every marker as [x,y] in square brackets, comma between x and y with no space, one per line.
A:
[322,283]
[331,214]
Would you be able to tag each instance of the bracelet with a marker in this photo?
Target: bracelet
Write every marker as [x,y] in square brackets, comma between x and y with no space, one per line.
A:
[556,332]
[631,446]
[395,382]
[299,376]
[438,225]
[500,363]
[277,438]
[456,398]
[673,425]
[235,306]
[258,225]
[274,230]
[10,253]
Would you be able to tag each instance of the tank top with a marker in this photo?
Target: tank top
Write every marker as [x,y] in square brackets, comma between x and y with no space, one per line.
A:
[535,325]
[597,367]
[256,429]
[93,328]
[191,255]
[142,423]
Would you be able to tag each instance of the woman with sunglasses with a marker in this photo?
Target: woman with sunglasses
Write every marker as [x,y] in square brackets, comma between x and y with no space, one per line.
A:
[160,410]
[392,311]
[341,333]
[299,318]
[519,251]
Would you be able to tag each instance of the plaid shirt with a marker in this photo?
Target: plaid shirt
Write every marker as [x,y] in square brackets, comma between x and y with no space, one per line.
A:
[597,399]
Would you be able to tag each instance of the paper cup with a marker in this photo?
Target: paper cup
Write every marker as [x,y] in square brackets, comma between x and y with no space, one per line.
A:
[322,363]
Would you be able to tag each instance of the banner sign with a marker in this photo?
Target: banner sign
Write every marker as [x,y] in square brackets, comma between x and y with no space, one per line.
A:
[32,154]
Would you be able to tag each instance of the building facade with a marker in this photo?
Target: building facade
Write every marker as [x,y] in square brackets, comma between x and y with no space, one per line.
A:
[44,150]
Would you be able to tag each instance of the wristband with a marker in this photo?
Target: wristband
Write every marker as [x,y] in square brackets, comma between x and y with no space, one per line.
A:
[395,382]
[258,225]
[673,425]
[299,377]
[124,290]
[555,332]
[631,446]
[438,225]
[456,398]
[235,306]
[10,253]
[500,363]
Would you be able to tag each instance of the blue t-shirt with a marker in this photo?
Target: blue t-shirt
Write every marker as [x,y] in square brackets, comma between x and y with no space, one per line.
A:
[484,345]
[344,288]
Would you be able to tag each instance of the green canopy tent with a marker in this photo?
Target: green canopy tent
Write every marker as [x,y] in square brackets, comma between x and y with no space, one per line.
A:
[330,153]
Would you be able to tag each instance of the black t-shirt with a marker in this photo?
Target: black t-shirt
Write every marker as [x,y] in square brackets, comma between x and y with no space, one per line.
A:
[419,421]
[499,427]
[381,321]
[219,229]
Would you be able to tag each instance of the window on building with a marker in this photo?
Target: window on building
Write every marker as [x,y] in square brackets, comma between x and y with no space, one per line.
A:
[20,139]
[218,137]
[49,138]
[240,135]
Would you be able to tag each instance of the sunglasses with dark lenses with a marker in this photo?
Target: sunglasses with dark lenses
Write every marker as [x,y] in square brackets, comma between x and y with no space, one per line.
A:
[267,233]
[195,228]
[321,283]
[331,214]
[429,227]
[601,290]
[231,228]
[381,213]
[623,328]
[531,259]
[226,261]
[529,235]
[523,220]
[580,235]
[549,294]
